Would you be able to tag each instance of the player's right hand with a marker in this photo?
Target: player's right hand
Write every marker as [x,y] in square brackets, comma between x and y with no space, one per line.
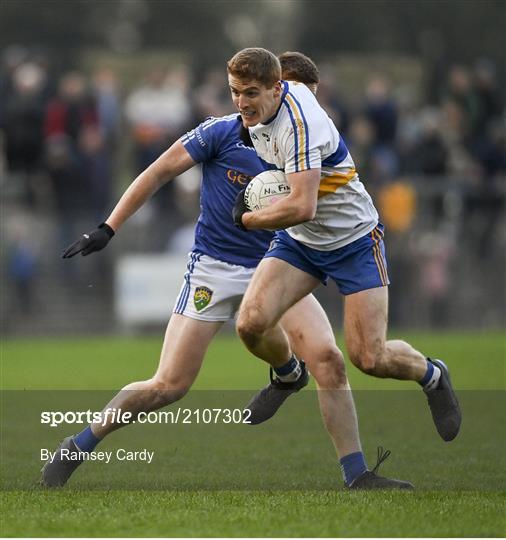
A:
[90,242]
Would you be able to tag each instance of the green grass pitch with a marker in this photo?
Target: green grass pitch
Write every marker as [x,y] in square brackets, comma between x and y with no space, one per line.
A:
[277,480]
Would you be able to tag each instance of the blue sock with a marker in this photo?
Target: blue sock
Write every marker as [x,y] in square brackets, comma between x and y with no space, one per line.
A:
[85,440]
[352,466]
[428,375]
[290,371]
[431,378]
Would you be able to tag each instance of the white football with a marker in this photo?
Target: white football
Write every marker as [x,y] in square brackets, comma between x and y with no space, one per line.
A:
[265,189]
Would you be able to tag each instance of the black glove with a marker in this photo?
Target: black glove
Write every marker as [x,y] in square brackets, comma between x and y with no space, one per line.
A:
[93,241]
[239,209]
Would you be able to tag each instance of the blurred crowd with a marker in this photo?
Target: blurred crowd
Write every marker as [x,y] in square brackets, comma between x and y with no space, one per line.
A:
[70,143]
[392,134]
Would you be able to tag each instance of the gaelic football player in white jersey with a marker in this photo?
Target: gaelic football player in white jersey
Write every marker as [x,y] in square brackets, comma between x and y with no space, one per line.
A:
[220,266]
[327,227]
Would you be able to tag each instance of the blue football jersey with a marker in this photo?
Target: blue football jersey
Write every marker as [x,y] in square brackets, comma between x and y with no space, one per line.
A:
[227,167]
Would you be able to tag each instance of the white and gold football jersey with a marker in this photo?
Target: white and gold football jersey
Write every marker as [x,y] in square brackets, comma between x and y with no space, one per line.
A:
[301,136]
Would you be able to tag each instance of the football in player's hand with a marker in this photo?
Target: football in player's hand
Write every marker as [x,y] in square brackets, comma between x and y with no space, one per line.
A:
[266,189]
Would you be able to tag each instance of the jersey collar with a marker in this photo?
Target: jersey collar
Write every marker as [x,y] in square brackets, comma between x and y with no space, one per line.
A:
[244,133]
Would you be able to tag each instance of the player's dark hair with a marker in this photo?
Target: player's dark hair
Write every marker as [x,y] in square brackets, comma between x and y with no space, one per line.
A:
[255,64]
[296,66]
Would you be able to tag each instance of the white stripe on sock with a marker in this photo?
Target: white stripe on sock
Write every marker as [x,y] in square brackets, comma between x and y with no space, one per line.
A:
[293,375]
[434,380]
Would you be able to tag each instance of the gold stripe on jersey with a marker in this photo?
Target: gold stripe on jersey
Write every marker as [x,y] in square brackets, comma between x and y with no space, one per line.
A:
[330,184]
[301,132]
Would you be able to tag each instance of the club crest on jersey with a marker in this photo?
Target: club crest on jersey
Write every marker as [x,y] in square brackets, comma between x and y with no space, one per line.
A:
[275,147]
[202,297]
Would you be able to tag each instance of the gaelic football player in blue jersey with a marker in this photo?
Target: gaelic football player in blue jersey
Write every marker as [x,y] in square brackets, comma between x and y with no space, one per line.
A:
[220,267]
[330,229]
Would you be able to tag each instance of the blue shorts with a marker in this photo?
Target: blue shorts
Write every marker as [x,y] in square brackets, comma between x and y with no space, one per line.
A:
[356,267]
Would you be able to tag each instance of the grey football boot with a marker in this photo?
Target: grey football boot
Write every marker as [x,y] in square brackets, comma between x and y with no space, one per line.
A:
[57,471]
[370,480]
[266,402]
[444,405]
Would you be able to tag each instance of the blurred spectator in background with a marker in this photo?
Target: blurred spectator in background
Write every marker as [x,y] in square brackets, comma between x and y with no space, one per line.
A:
[454,130]
[212,96]
[381,111]
[96,162]
[12,57]
[397,205]
[489,145]
[71,126]
[492,152]
[429,155]
[487,92]
[106,94]
[22,121]
[22,266]
[461,94]
[158,112]
[71,110]
[99,143]
[330,100]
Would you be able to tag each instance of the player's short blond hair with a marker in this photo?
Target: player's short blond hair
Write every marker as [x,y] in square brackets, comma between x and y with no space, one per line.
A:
[255,64]
[296,66]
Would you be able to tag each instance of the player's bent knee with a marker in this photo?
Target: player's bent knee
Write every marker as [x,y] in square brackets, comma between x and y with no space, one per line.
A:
[248,334]
[329,369]
[250,327]
[167,392]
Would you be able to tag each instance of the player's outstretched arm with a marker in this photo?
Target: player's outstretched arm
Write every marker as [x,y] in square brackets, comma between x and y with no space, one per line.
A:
[298,207]
[173,162]
[170,164]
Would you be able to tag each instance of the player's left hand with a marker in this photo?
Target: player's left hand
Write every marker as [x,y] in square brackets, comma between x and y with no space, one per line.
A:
[239,209]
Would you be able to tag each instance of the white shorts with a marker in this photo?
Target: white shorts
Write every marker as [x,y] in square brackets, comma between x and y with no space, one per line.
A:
[212,290]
